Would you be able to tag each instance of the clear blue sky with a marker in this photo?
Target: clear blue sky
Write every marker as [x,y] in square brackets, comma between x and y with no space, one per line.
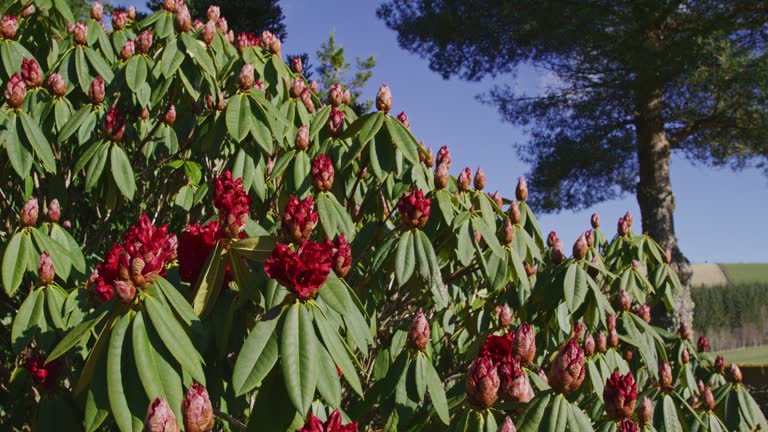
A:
[720,215]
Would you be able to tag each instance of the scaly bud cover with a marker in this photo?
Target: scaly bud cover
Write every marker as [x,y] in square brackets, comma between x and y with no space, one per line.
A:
[160,417]
[418,335]
[482,383]
[196,410]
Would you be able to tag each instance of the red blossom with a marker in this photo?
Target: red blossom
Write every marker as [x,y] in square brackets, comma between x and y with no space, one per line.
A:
[333,424]
[322,173]
[302,271]
[196,243]
[44,376]
[31,73]
[620,395]
[498,348]
[232,202]
[414,209]
[298,219]
[341,255]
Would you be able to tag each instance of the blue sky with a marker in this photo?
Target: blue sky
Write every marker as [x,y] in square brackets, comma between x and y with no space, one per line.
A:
[720,215]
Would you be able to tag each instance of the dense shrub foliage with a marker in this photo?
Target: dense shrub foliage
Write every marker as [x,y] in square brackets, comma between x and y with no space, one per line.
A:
[199,240]
[735,315]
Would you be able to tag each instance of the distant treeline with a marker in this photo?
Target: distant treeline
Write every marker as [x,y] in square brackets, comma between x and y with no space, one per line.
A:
[732,316]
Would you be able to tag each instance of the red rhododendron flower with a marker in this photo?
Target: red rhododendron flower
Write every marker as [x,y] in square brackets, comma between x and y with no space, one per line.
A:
[197,242]
[299,219]
[45,376]
[302,271]
[146,250]
[101,282]
[498,348]
[620,395]
[333,424]
[414,209]
[514,382]
[341,255]
[232,202]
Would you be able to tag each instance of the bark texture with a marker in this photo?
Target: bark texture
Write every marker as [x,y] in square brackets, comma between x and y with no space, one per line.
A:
[655,198]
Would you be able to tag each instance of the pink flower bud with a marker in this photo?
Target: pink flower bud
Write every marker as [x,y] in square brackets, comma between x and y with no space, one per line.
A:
[414,209]
[589,235]
[341,255]
[577,330]
[504,315]
[613,338]
[589,345]
[231,37]
[645,411]
[245,79]
[620,395]
[335,122]
[429,158]
[270,42]
[56,85]
[144,41]
[580,248]
[667,257]
[624,301]
[302,138]
[182,21]
[685,330]
[296,65]
[479,181]
[719,364]
[28,11]
[128,49]
[335,95]
[558,256]
[709,400]
[443,157]
[54,211]
[441,176]
[465,177]
[221,25]
[322,173]
[297,86]
[507,426]
[602,342]
[96,91]
[15,91]
[119,20]
[734,373]
[45,269]
[508,234]
[627,425]
[160,417]
[347,99]
[418,335]
[497,199]
[524,345]
[610,321]
[685,356]
[170,5]
[521,191]
[131,12]
[114,125]
[567,371]
[67,225]
[31,73]
[665,375]
[29,212]
[259,85]
[515,216]
[8,26]
[403,118]
[125,290]
[306,99]
[97,11]
[482,383]
[196,409]
[595,221]
[208,32]
[214,13]
[514,383]
[384,99]
[644,312]
[622,228]
[628,219]
[170,116]
[80,34]
[552,239]
[298,219]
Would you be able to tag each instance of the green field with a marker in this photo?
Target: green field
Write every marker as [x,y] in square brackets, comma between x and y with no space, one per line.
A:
[747,356]
[746,273]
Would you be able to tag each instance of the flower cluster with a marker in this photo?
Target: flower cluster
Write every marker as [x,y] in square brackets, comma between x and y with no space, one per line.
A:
[302,271]
[196,243]
[232,203]
[567,371]
[44,376]
[247,40]
[322,173]
[333,424]
[414,209]
[299,219]
[620,395]
[341,255]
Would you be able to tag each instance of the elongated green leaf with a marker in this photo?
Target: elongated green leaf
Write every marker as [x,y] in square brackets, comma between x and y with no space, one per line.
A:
[257,357]
[19,153]
[144,354]
[100,65]
[54,299]
[403,139]
[117,399]
[196,50]
[489,235]
[328,383]
[174,337]
[209,283]
[65,239]
[420,375]
[177,301]
[13,269]
[75,336]
[239,117]
[21,333]
[533,415]
[136,73]
[122,171]
[437,393]
[38,141]
[254,248]
[405,258]
[298,348]
[102,343]
[569,286]
[338,352]
[97,398]
[81,68]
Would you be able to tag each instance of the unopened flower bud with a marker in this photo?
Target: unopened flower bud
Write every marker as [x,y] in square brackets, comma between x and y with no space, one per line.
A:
[170,116]
[734,373]
[296,65]
[567,371]
[322,173]
[589,236]
[610,321]
[524,345]
[507,426]
[464,179]
[297,86]
[418,335]
[231,37]
[144,42]
[595,220]
[443,157]
[384,99]
[196,409]
[628,219]
[182,20]
[128,49]
[429,159]
[302,138]
[508,234]
[270,42]
[613,338]
[623,300]
[521,191]
[8,26]
[214,13]
[580,248]
[667,257]
[347,97]
[478,237]
[620,395]
[96,91]
[97,11]
[685,330]
[403,118]
[709,400]
[515,216]
[665,375]
[628,354]
[31,73]
[602,342]
[685,356]
[504,315]
[67,225]
[119,20]
[622,228]
[299,219]
[45,270]
[645,411]
[701,386]
[80,34]
[245,78]
[15,91]
[577,330]
[114,125]
[259,85]
[589,345]
[54,211]
[28,11]
[208,32]
[306,100]
[29,212]
[719,364]
[335,96]
[144,114]
[56,85]
[170,5]
[558,256]
[160,417]
[414,209]
[552,239]
[125,290]
[221,25]
[335,122]
[441,176]
[479,181]
[644,312]
[497,199]
[131,12]
[627,425]
[693,401]
[514,382]
[482,383]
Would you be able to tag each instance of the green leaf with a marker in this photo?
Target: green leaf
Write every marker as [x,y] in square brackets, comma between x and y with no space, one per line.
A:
[403,139]
[209,283]
[298,348]
[437,393]
[62,259]
[405,258]
[254,248]
[55,298]
[177,301]
[420,375]
[81,68]
[19,153]
[73,124]
[100,65]
[15,253]
[65,239]
[239,117]
[122,171]
[328,383]
[569,286]
[117,398]
[257,356]
[136,73]
[24,320]
[335,294]
[38,141]
[144,355]
[174,337]
[75,336]
[338,352]
[669,421]
[534,413]
[488,234]
[196,50]
[97,399]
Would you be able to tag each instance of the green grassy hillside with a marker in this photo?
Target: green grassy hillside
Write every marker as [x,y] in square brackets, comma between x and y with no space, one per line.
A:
[755,356]
[746,273]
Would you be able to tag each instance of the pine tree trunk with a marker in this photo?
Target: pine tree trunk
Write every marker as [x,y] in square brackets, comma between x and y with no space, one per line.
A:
[654,195]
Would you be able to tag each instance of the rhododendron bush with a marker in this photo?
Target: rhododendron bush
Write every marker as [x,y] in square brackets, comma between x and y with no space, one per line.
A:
[198,240]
